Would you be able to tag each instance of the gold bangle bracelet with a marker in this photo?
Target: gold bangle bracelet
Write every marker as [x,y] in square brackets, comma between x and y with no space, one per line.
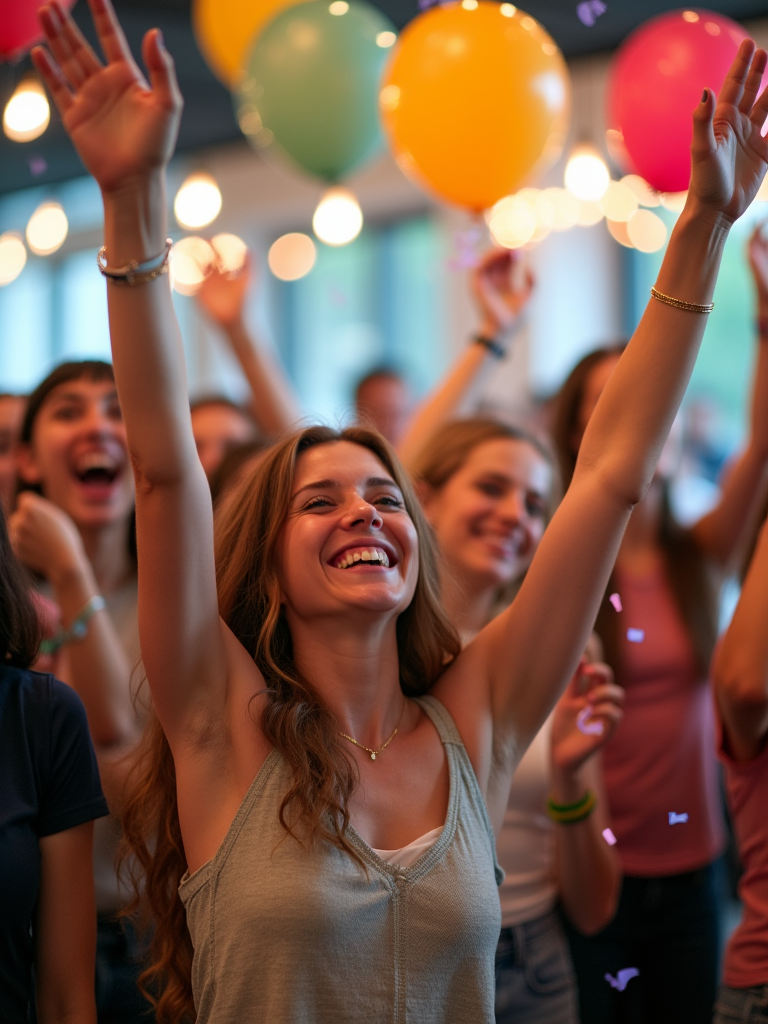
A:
[692,307]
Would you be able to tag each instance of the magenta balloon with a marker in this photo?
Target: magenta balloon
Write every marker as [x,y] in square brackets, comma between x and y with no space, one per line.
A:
[655,82]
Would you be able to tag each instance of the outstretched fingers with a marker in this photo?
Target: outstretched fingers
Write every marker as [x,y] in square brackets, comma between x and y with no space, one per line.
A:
[733,86]
[162,72]
[73,55]
[110,33]
[754,78]
[52,75]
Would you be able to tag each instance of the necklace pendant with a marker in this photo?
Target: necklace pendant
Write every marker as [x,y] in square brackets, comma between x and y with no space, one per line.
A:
[373,755]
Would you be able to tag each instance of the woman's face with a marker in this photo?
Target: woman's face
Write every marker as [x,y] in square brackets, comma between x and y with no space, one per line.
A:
[78,454]
[490,515]
[11,415]
[348,543]
[596,380]
[217,428]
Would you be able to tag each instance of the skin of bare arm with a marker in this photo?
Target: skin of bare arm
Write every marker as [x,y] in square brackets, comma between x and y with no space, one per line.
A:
[559,599]
[588,869]
[65,929]
[274,406]
[46,540]
[721,533]
[740,668]
[501,296]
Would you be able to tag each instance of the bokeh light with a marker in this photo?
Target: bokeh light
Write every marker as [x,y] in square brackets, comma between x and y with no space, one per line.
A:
[13,256]
[292,256]
[647,231]
[512,222]
[27,113]
[47,229]
[646,196]
[338,218]
[586,174]
[619,202]
[231,251]
[198,201]
[191,259]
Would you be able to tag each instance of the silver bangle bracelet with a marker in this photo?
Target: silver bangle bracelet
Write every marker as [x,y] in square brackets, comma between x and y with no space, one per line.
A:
[133,272]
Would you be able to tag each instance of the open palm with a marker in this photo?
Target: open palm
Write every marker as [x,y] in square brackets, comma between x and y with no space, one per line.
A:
[729,153]
[121,128]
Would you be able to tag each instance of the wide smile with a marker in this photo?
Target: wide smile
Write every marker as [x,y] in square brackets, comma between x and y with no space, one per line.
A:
[364,556]
[98,472]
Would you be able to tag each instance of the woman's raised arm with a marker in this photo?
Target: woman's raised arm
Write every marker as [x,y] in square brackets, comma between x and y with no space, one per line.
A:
[124,130]
[529,652]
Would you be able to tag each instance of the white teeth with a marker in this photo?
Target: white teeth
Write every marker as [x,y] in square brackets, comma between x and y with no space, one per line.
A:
[372,555]
[95,460]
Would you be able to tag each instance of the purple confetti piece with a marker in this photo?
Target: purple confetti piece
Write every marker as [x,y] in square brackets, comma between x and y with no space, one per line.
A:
[616,602]
[609,837]
[38,165]
[635,636]
[677,819]
[623,978]
[586,725]
[589,11]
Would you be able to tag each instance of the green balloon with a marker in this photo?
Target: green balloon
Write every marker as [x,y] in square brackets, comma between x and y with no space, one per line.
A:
[312,80]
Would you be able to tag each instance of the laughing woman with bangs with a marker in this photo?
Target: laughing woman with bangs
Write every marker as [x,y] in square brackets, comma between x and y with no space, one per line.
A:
[318,728]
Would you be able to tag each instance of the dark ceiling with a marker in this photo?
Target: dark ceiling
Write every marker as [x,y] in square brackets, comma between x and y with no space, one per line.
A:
[208,114]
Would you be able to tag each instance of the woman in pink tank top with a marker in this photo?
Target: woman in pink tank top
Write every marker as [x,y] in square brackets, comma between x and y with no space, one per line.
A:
[660,768]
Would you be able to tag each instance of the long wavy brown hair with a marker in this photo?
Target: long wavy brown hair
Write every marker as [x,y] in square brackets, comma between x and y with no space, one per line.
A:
[691,578]
[295,719]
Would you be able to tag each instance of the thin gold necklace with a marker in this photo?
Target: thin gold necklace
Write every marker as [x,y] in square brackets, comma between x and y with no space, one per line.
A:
[384,745]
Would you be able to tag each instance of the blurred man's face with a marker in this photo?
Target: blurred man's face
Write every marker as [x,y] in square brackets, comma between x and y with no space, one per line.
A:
[385,403]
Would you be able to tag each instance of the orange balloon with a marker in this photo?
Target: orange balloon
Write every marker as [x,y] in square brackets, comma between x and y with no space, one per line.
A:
[475,102]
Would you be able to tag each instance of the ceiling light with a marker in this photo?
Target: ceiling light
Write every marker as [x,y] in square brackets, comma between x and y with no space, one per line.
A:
[646,196]
[26,114]
[647,231]
[338,217]
[292,256]
[198,201]
[512,222]
[586,174]
[191,259]
[619,202]
[13,256]
[231,251]
[47,229]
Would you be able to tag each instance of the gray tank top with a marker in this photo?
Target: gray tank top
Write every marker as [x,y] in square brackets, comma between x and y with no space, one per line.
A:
[296,936]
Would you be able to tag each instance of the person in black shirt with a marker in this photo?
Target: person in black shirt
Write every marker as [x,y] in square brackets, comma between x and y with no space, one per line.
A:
[50,794]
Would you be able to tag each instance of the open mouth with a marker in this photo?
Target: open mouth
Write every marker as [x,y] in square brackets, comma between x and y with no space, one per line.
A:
[97,469]
[362,556]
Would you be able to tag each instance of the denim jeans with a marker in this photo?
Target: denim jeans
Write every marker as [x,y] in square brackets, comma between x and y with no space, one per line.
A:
[668,928]
[534,975]
[741,1005]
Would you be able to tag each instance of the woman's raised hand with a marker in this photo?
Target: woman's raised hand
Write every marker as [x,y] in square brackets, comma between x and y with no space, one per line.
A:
[123,129]
[501,294]
[729,154]
[586,716]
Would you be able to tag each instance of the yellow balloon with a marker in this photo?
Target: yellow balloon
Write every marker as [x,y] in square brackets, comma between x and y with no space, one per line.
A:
[476,101]
[225,29]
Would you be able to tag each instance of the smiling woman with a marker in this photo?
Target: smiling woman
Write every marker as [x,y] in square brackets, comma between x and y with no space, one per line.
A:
[73,526]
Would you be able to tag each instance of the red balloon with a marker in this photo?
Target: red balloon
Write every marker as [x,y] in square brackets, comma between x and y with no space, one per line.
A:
[19,27]
[655,83]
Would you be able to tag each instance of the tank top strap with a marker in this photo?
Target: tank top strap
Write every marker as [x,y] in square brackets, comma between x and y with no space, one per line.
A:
[441,718]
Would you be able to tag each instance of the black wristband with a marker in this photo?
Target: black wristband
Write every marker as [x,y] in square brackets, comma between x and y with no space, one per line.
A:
[491,344]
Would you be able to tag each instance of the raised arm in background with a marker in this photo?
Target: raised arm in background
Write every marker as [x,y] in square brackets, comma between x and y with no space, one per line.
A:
[501,289]
[47,541]
[273,403]
[529,652]
[721,532]
[740,668]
